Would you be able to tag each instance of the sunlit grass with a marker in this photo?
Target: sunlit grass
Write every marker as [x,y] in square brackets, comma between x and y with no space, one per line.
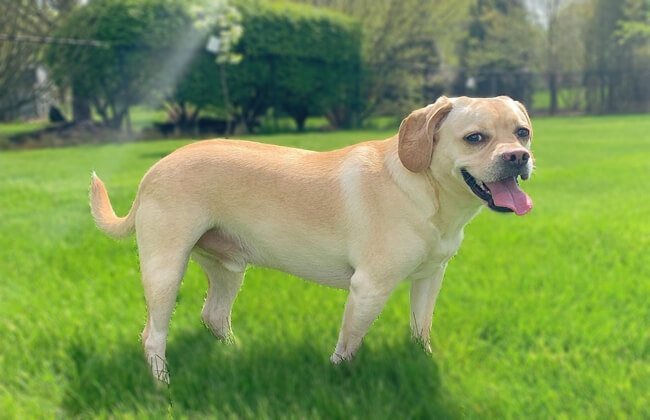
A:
[11,129]
[542,316]
[568,99]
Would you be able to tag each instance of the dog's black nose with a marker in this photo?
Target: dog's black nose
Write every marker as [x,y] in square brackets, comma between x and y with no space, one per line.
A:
[516,157]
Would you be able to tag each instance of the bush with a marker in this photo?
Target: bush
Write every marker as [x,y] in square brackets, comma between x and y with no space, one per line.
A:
[312,57]
[296,59]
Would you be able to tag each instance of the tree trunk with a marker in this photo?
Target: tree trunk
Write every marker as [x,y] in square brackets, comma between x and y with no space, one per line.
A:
[552,87]
[80,108]
[300,122]
[226,97]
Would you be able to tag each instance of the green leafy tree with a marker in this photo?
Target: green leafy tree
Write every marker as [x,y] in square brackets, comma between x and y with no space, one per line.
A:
[225,21]
[562,47]
[197,89]
[19,60]
[603,57]
[635,25]
[497,52]
[141,36]
[405,43]
[617,59]
[205,81]
[633,35]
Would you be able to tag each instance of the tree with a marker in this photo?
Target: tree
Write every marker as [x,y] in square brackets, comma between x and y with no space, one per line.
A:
[563,22]
[633,35]
[550,10]
[404,44]
[603,57]
[205,81]
[19,60]
[224,21]
[635,25]
[144,39]
[617,56]
[497,51]
[196,89]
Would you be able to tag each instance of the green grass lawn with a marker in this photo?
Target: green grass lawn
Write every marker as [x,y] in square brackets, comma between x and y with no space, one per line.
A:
[542,316]
[11,129]
[568,99]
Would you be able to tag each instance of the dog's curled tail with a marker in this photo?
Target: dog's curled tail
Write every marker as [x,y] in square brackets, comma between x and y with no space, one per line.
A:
[102,211]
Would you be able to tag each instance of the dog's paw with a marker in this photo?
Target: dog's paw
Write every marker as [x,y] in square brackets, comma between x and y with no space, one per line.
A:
[228,339]
[159,369]
[338,358]
[423,342]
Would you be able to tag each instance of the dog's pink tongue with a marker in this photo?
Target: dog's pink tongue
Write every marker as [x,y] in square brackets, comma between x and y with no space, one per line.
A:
[506,193]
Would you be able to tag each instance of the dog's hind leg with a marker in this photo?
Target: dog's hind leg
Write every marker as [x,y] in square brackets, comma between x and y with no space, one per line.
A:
[224,284]
[164,253]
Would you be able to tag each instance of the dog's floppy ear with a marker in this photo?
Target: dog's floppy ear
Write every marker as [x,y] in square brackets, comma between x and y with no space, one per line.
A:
[417,132]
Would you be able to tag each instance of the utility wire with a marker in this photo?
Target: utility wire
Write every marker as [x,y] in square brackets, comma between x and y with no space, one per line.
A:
[52,40]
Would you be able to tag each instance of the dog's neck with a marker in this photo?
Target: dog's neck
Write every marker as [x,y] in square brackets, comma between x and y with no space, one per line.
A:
[456,208]
[448,208]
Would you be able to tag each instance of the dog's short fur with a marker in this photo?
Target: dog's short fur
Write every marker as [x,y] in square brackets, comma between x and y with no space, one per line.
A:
[362,218]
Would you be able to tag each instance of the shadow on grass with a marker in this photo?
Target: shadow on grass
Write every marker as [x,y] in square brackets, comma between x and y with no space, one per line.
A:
[395,380]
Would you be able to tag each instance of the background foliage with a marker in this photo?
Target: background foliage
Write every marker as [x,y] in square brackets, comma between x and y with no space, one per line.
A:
[341,60]
[294,59]
[498,50]
[139,35]
[311,58]
[617,39]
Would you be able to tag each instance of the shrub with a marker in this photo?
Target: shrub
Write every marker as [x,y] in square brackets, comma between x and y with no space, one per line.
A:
[296,59]
[311,56]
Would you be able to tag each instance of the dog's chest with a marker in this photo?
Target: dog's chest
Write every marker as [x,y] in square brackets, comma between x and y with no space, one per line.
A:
[440,252]
[445,246]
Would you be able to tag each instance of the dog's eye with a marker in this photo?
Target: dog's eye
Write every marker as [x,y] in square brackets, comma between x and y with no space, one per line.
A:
[474,138]
[523,133]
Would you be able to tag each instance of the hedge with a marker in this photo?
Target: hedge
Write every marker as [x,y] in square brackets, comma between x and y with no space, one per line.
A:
[296,59]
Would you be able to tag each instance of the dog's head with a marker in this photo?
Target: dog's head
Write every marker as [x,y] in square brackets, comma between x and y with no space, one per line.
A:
[479,146]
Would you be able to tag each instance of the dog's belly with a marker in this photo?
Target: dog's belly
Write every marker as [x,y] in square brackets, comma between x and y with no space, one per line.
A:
[317,262]
[325,273]
[313,261]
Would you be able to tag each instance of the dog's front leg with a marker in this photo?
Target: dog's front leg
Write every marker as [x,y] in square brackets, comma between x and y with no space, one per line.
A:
[367,298]
[424,292]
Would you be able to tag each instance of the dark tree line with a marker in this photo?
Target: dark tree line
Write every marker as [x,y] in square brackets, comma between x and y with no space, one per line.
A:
[339,59]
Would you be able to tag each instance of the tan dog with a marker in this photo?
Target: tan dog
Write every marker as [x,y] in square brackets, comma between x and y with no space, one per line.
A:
[362,218]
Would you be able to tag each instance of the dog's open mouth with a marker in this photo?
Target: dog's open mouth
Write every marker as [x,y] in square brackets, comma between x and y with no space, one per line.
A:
[503,196]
